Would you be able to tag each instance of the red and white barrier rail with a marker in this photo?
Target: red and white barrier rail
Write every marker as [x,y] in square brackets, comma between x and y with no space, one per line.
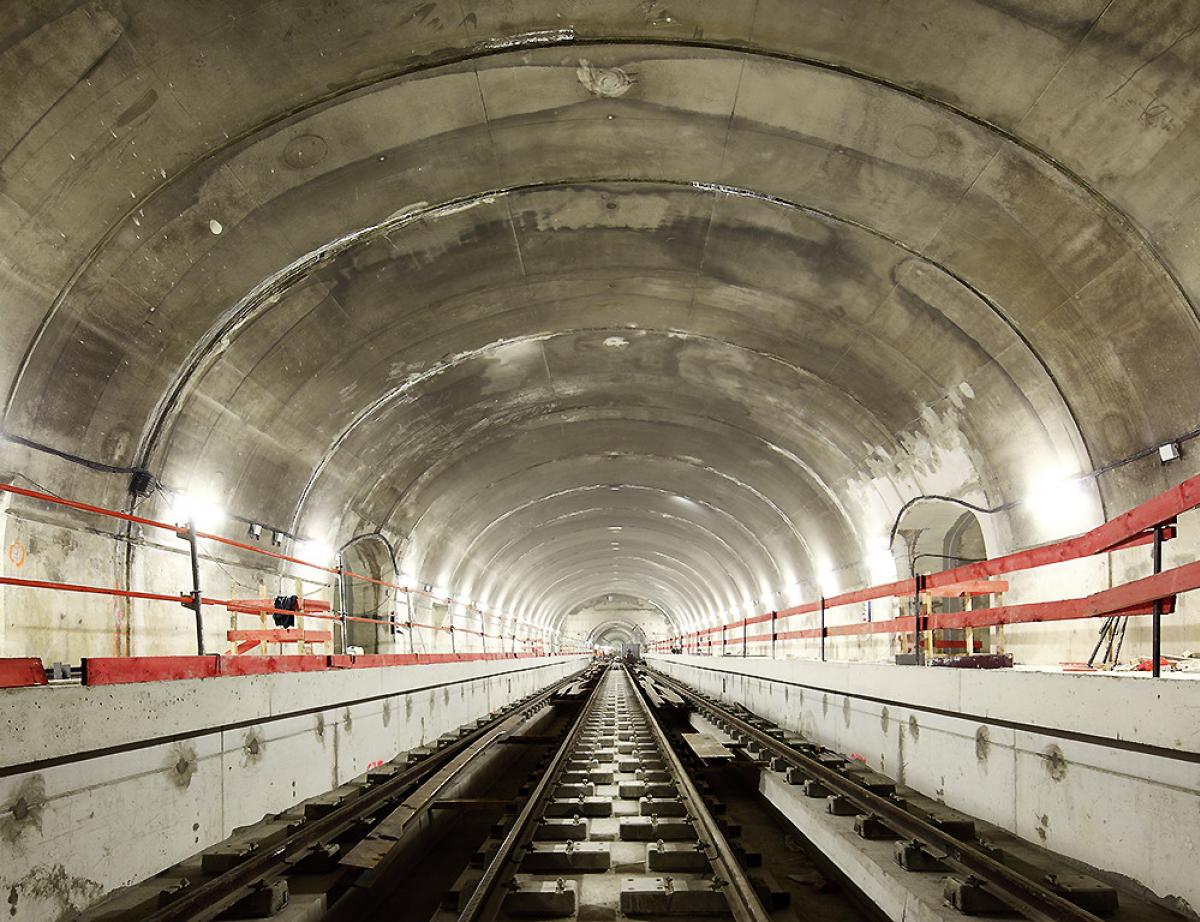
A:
[13,673]
[1150,523]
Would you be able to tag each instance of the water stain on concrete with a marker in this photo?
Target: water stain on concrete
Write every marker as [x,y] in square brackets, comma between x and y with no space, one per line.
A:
[914,728]
[825,705]
[23,810]
[348,721]
[320,731]
[846,710]
[54,885]
[253,747]
[885,719]
[1055,762]
[387,711]
[983,744]
[181,764]
[1042,826]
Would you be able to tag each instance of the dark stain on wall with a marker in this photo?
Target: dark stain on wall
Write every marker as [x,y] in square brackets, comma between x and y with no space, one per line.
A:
[321,726]
[348,721]
[23,810]
[983,744]
[181,764]
[253,747]
[1042,826]
[387,711]
[55,885]
[1055,762]
[885,719]
[846,710]
[914,728]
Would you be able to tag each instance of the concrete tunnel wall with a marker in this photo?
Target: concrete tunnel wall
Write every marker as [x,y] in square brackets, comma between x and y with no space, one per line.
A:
[119,782]
[489,280]
[1104,770]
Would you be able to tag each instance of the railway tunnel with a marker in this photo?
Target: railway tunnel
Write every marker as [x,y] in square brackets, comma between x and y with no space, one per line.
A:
[599,460]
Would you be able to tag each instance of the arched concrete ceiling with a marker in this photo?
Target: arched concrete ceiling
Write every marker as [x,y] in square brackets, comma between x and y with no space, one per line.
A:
[568,298]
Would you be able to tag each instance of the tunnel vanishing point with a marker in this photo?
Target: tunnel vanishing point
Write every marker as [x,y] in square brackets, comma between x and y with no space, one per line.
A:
[751,407]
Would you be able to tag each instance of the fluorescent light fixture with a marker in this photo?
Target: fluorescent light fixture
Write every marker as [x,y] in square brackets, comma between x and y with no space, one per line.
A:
[1169,452]
[1059,502]
[881,564]
[315,552]
[206,513]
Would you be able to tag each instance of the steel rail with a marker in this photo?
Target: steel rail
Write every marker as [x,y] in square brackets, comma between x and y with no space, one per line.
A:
[225,890]
[744,903]
[485,902]
[1026,896]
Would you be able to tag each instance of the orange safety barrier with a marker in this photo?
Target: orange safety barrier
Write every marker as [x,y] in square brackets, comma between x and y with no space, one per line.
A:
[534,633]
[124,670]
[1149,523]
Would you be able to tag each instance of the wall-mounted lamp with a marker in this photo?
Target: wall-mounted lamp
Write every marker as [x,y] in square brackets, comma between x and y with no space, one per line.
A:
[1169,452]
[255,530]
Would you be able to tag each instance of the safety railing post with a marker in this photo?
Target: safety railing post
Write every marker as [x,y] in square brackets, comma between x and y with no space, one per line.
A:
[1156,616]
[821,628]
[918,652]
[745,635]
[341,595]
[196,603]
[773,635]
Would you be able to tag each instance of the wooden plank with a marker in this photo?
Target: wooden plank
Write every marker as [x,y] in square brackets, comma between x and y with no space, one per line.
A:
[705,747]
[279,635]
[967,588]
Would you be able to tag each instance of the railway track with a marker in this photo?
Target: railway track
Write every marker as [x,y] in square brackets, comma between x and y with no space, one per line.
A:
[614,825]
[583,801]
[981,879]
[247,876]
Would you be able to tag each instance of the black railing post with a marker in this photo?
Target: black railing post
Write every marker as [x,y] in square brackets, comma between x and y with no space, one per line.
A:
[918,651]
[821,628]
[341,592]
[1156,617]
[196,604]
[745,635]
[773,613]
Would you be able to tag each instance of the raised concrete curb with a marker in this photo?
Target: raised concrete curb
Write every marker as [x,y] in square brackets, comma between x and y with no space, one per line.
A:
[126,780]
[990,744]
